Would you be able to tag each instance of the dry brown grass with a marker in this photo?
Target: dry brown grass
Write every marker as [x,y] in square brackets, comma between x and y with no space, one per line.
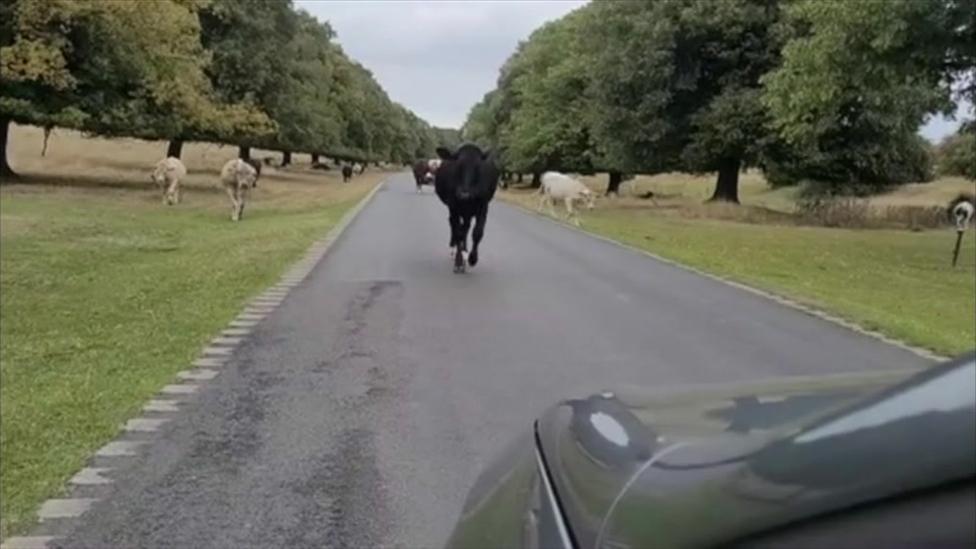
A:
[936,193]
[120,168]
[915,206]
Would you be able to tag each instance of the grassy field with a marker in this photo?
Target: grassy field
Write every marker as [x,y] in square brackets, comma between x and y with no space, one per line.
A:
[105,293]
[895,281]
[691,190]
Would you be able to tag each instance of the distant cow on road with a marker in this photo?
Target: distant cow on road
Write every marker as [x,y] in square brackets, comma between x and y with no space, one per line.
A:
[465,182]
[423,172]
[420,174]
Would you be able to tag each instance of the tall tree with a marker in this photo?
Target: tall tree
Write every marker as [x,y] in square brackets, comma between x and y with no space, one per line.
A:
[112,68]
[307,119]
[549,126]
[859,78]
[247,40]
[677,84]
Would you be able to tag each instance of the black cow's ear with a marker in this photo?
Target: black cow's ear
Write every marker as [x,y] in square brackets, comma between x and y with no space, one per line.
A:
[444,153]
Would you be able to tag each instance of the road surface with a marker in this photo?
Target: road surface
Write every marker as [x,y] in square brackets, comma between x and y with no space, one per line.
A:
[359,413]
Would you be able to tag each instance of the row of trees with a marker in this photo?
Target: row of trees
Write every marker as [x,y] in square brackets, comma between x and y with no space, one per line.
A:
[252,73]
[804,89]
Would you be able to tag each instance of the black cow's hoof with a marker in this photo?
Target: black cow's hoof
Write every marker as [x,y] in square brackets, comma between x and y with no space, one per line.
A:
[473,259]
[459,269]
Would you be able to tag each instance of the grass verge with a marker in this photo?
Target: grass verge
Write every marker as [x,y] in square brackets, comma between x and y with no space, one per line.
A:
[105,294]
[897,282]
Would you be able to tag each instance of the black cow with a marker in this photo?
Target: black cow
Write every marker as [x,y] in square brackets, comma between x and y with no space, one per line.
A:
[346,173]
[466,183]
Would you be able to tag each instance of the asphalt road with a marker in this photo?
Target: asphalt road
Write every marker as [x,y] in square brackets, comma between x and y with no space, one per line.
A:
[359,413]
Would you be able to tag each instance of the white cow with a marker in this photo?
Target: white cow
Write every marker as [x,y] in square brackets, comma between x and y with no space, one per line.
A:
[238,176]
[557,186]
[432,166]
[167,176]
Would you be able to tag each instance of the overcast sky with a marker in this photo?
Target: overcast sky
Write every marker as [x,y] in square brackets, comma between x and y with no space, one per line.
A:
[438,58]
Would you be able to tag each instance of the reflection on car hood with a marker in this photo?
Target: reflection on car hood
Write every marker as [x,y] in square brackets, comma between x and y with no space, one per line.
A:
[706,465]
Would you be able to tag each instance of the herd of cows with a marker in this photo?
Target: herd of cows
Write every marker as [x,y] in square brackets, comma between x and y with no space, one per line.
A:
[465,180]
[237,177]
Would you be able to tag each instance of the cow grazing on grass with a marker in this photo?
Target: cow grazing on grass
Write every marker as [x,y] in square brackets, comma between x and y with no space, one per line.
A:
[346,173]
[465,182]
[557,186]
[167,176]
[238,177]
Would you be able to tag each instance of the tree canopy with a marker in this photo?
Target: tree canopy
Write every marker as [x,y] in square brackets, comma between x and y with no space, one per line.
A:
[804,89]
[242,72]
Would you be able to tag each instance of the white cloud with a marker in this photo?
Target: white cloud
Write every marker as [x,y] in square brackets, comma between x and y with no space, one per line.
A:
[438,58]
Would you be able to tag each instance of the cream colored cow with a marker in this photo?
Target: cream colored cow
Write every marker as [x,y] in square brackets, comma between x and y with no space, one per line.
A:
[238,177]
[167,176]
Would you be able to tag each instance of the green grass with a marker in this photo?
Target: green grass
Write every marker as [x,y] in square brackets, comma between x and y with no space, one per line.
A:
[105,295]
[897,282]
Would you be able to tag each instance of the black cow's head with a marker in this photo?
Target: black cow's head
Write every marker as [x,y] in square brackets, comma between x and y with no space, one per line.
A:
[470,171]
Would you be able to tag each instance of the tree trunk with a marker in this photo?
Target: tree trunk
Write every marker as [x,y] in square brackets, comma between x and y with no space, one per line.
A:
[519,178]
[175,148]
[47,136]
[315,158]
[536,180]
[244,153]
[727,187]
[285,158]
[5,171]
[613,183]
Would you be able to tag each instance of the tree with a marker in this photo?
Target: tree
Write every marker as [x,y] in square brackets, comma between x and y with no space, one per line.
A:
[956,154]
[111,68]
[247,40]
[306,118]
[447,137]
[549,124]
[677,85]
[858,79]
[247,72]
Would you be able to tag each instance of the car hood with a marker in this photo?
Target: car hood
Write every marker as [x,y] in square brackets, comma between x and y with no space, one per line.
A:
[707,465]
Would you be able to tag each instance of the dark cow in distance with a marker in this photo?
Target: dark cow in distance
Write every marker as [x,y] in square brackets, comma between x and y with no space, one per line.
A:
[466,182]
[420,174]
[346,173]
[423,172]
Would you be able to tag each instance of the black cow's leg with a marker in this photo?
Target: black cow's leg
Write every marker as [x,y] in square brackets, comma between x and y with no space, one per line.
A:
[457,243]
[455,221]
[477,234]
[462,243]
